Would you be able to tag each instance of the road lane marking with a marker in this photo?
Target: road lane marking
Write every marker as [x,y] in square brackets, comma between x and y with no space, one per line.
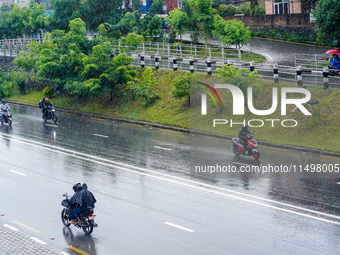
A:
[214,138]
[329,157]
[66,113]
[64,253]
[97,119]
[27,227]
[77,250]
[105,136]
[266,55]
[11,227]
[171,131]
[16,172]
[50,125]
[273,148]
[38,240]
[134,125]
[179,180]
[162,148]
[178,226]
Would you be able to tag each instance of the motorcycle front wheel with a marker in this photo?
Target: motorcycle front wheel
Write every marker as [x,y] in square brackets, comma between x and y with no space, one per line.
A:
[88,228]
[235,152]
[54,118]
[9,122]
[64,218]
[256,154]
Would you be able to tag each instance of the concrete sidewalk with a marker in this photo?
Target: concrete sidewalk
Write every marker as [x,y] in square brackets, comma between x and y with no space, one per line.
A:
[15,242]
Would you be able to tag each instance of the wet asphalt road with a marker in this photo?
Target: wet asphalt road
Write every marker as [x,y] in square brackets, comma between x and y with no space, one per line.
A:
[150,199]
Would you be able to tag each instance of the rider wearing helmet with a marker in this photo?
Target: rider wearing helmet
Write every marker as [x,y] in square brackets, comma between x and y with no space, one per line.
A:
[4,107]
[76,202]
[46,105]
[242,135]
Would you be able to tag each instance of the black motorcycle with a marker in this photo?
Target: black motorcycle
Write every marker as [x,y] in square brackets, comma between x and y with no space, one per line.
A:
[50,115]
[6,117]
[87,220]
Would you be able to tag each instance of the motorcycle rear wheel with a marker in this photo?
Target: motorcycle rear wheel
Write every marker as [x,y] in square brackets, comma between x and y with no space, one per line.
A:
[235,152]
[64,218]
[87,229]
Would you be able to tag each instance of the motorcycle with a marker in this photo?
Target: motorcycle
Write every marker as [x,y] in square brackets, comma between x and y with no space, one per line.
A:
[6,117]
[251,150]
[87,220]
[50,115]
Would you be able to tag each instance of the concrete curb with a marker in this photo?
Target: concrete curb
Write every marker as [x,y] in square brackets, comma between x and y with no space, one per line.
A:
[184,130]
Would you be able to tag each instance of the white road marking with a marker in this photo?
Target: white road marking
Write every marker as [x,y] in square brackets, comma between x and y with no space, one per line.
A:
[38,240]
[16,172]
[64,253]
[10,227]
[180,227]
[50,125]
[189,183]
[162,148]
[105,136]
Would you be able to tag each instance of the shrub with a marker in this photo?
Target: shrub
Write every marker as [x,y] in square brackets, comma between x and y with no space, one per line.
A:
[48,92]
[144,88]
[182,86]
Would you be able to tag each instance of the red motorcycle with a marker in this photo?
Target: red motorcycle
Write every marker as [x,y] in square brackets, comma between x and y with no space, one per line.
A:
[251,150]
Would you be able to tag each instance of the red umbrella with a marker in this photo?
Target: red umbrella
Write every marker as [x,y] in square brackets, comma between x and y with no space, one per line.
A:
[333,51]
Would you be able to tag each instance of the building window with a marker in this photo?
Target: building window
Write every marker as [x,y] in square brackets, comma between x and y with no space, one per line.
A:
[281,7]
[179,4]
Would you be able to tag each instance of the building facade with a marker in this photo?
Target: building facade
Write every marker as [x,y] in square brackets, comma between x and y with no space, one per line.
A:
[283,7]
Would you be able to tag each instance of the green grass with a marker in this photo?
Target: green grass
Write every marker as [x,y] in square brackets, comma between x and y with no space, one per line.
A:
[323,134]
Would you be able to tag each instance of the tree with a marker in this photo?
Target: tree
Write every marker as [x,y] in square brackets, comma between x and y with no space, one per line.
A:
[231,31]
[328,19]
[203,15]
[308,5]
[63,12]
[76,65]
[192,23]
[179,21]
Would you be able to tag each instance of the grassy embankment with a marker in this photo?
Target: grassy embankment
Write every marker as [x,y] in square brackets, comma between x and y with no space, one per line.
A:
[313,132]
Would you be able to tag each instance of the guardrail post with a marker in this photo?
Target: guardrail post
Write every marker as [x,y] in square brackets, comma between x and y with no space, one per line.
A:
[168,49]
[276,72]
[17,50]
[156,62]
[229,62]
[222,52]
[174,63]
[209,52]
[143,46]
[299,75]
[251,66]
[192,67]
[180,50]
[239,54]
[209,66]
[142,61]
[195,52]
[325,78]
[10,51]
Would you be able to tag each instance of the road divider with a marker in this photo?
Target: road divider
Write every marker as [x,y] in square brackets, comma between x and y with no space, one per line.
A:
[16,172]
[77,250]
[261,201]
[272,148]
[26,226]
[134,125]
[162,148]
[38,240]
[66,113]
[171,131]
[105,136]
[10,227]
[179,227]
[93,118]
[322,156]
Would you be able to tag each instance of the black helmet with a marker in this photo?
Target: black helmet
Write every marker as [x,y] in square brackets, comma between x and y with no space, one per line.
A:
[3,100]
[76,187]
[244,127]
